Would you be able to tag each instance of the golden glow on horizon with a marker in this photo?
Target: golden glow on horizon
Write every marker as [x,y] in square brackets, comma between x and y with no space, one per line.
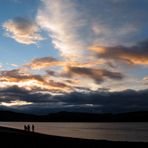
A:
[15,103]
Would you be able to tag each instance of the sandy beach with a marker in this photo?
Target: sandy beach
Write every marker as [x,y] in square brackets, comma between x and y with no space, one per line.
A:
[18,138]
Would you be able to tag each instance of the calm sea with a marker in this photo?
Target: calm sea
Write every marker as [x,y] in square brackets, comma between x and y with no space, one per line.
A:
[109,131]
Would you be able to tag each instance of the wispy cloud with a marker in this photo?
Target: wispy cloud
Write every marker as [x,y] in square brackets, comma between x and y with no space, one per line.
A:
[32,81]
[22,30]
[74,31]
[47,62]
[98,75]
[63,23]
[14,65]
[44,62]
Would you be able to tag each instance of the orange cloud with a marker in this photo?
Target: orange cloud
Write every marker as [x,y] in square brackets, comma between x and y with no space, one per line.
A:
[22,30]
[134,55]
[29,81]
[46,62]
[98,49]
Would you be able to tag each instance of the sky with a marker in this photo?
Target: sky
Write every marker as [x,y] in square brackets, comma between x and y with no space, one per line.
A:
[73,55]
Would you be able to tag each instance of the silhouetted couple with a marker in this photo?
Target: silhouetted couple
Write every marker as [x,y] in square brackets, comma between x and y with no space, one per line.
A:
[28,128]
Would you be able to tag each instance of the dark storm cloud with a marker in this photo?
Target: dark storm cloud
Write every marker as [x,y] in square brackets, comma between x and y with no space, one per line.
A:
[128,100]
[17,93]
[98,101]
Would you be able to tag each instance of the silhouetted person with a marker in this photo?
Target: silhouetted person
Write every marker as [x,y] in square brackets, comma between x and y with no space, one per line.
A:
[25,127]
[32,127]
[28,128]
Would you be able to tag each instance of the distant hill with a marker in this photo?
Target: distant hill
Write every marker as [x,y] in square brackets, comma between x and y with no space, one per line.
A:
[106,117]
[14,116]
[141,116]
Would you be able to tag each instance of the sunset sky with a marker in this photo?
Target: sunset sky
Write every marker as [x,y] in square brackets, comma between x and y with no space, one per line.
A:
[74,55]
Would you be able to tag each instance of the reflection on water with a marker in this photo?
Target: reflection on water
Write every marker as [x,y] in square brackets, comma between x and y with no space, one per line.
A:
[108,131]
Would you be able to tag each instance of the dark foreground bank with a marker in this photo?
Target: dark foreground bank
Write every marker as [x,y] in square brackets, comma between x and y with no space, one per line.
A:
[14,138]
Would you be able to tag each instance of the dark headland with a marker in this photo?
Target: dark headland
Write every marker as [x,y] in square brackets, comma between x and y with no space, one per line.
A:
[15,138]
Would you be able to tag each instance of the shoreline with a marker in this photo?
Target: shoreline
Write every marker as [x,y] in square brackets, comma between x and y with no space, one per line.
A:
[10,137]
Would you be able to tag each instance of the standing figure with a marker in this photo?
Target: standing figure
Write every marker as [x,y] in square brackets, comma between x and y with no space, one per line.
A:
[25,127]
[28,128]
[32,127]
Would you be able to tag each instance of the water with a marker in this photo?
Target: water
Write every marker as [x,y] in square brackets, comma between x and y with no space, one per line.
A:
[108,131]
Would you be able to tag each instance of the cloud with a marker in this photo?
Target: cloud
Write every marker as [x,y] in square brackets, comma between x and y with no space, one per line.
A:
[93,101]
[13,93]
[98,75]
[74,26]
[32,81]
[105,34]
[145,80]
[51,72]
[69,79]
[1,66]
[22,30]
[128,100]
[14,65]
[63,23]
[136,54]
[78,73]
[15,103]
[44,62]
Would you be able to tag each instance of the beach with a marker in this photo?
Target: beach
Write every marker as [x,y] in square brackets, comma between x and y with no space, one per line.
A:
[18,138]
